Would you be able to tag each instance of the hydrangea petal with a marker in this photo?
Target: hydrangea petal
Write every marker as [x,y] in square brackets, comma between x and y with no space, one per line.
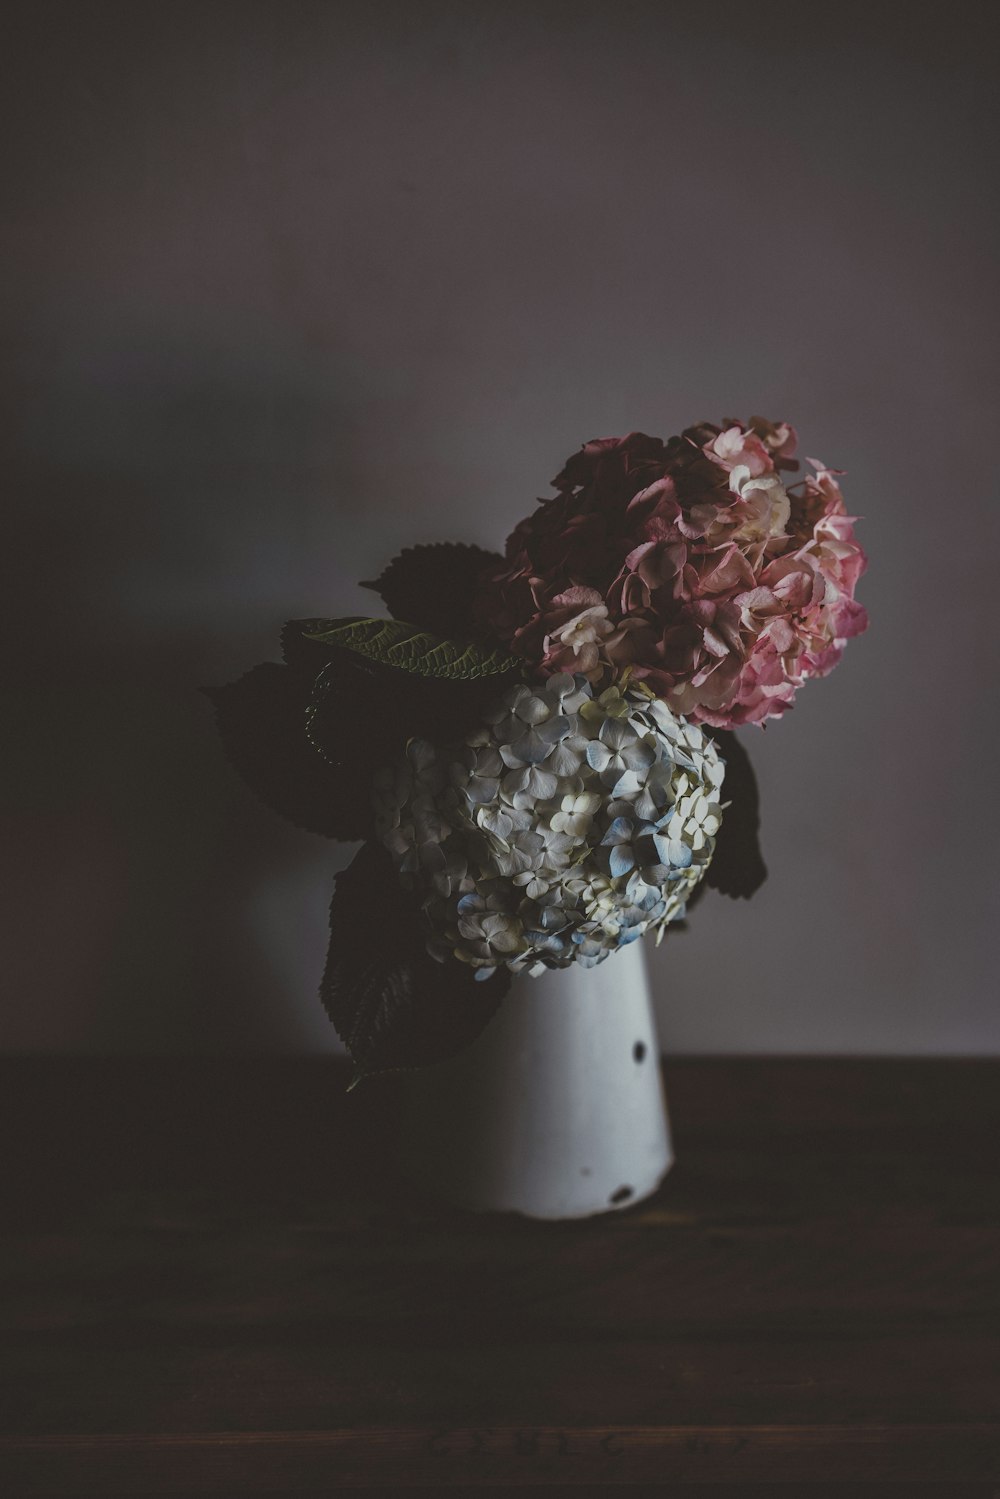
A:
[556,860]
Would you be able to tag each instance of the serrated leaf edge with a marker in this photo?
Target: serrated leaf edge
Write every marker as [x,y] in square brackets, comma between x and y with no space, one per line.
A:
[403,646]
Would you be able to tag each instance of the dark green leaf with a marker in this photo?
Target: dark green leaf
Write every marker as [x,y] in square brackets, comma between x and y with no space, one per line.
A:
[262,722]
[392,1004]
[436,587]
[391,642]
[383,708]
[301,650]
[308,737]
[737,868]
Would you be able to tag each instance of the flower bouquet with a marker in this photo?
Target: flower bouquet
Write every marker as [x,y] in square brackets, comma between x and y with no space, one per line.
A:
[537,750]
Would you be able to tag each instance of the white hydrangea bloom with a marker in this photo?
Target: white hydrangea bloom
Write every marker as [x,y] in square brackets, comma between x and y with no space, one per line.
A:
[565,827]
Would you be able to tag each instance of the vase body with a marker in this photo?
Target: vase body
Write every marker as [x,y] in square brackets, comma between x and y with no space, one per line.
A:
[557,1110]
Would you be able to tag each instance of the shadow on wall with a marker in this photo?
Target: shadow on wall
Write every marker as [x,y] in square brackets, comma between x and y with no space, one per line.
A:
[154,904]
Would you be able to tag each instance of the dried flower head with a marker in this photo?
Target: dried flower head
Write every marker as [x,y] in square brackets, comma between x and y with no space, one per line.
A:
[690,562]
[567,826]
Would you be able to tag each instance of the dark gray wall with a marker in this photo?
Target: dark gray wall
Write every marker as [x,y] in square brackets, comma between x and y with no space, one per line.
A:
[289,286]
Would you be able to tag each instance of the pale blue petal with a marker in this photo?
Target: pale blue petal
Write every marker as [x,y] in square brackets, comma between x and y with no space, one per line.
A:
[598,755]
[638,756]
[616,734]
[553,730]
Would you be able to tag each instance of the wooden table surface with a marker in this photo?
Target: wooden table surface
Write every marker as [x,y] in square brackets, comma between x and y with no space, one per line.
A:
[214,1282]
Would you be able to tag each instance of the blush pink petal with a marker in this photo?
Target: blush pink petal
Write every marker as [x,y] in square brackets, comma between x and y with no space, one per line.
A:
[692,563]
[578,598]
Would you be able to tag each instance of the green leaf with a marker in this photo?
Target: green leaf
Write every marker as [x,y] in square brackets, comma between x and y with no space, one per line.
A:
[391,642]
[379,708]
[308,736]
[437,587]
[737,867]
[262,723]
[392,1004]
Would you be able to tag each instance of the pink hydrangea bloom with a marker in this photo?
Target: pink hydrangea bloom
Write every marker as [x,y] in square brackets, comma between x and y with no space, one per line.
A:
[693,563]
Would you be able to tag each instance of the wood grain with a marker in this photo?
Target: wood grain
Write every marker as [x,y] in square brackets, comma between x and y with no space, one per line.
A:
[214,1282]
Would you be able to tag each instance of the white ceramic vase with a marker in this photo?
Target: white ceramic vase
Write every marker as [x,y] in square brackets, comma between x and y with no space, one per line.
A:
[557,1110]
